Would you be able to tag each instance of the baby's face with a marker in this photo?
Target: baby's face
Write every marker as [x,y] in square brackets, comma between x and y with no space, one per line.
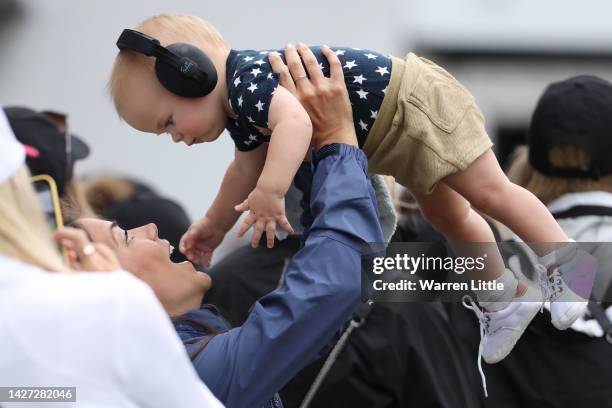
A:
[147,106]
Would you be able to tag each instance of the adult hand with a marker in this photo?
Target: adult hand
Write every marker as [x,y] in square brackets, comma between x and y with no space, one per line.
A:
[84,255]
[325,99]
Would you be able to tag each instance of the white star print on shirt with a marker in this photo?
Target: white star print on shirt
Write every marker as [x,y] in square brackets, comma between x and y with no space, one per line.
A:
[359,79]
[385,90]
[350,64]
[362,94]
[382,71]
[360,67]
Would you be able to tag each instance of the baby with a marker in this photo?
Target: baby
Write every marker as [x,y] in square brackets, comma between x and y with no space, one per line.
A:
[413,120]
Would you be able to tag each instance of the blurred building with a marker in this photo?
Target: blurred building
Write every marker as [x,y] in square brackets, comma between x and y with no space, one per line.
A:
[506,52]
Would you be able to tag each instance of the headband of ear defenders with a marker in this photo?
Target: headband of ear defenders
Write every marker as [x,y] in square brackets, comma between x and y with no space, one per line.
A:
[177,65]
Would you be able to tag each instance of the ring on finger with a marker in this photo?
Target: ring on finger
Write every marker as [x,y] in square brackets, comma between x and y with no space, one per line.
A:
[89,250]
[300,77]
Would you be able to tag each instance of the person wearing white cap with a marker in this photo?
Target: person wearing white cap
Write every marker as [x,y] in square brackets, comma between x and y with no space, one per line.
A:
[62,328]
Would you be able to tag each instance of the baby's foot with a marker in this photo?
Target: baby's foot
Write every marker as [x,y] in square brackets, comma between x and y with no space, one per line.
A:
[568,287]
[500,330]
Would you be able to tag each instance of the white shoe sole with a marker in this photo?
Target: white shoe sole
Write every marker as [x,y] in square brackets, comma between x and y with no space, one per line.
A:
[573,313]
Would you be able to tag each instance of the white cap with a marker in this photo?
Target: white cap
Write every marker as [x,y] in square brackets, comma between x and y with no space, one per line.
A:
[12,153]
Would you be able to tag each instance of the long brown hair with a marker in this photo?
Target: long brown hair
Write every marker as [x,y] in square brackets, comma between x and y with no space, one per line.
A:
[548,188]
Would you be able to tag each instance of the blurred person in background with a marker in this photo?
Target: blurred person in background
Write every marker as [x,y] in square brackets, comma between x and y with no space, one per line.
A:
[567,165]
[52,150]
[132,203]
[79,329]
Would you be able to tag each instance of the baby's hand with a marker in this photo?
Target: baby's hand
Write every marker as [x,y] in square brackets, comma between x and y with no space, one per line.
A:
[266,210]
[202,238]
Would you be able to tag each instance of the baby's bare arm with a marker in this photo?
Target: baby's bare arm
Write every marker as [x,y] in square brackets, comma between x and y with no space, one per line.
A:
[291,134]
[289,143]
[239,180]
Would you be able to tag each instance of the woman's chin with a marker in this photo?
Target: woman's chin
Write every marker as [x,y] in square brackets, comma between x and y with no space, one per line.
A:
[188,266]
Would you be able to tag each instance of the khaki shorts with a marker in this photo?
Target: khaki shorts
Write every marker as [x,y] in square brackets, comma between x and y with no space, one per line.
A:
[432,129]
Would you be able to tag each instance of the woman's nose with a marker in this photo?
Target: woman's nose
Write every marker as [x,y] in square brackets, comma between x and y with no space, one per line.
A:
[148,231]
[152,232]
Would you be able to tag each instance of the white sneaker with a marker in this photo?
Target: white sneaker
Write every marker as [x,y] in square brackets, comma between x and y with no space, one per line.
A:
[500,330]
[566,305]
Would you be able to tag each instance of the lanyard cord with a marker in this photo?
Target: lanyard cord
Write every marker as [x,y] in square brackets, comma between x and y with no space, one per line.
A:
[357,321]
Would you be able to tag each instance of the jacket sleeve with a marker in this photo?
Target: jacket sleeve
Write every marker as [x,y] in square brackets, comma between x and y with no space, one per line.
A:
[286,329]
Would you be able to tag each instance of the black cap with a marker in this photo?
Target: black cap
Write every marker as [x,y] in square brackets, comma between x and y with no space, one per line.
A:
[45,143]
[577,112]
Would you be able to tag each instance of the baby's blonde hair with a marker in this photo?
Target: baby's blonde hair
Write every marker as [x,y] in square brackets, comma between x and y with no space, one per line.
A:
[548,188]
[24,233]
[168,29]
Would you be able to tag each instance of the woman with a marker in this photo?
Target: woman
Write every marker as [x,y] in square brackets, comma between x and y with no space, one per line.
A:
[79,330]
[286,329]
[566,164]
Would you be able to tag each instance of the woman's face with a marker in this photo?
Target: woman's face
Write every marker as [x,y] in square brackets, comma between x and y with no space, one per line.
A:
[179,286]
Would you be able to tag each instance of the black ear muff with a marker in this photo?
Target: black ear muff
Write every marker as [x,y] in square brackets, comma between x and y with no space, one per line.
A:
[181,80]
[183,69]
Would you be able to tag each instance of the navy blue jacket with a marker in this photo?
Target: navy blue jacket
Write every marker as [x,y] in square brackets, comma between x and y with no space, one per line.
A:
[287,329]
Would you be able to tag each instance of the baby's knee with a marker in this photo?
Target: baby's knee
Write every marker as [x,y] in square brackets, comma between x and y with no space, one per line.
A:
[488,197]
[441,216]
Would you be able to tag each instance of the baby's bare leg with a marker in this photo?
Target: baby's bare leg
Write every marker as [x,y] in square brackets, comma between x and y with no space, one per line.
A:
[487,188]
[453,217]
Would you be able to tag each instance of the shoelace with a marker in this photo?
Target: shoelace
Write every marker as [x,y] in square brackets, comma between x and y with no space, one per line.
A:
[550,285]
[556,284]
[469,303]
[541,272]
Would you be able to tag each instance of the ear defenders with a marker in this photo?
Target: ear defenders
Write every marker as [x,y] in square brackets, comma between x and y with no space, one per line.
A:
[181,68]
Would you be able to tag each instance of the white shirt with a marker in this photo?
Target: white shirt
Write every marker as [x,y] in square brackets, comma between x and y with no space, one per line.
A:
[104,333]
